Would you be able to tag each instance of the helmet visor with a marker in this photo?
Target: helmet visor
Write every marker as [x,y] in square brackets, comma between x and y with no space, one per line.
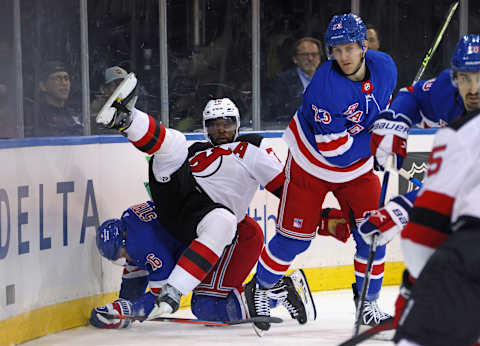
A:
[226,123]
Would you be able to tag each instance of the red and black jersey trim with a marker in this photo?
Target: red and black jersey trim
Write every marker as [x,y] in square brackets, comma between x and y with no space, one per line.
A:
[199,260]
[431,219]
[153,139]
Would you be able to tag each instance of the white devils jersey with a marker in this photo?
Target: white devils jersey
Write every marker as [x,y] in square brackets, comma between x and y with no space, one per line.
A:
[230,173]
[450,196]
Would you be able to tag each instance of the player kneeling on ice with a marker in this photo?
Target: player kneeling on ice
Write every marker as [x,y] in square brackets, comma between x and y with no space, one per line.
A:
[151,253]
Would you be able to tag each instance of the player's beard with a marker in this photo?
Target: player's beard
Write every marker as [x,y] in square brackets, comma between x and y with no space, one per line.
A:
[472,106]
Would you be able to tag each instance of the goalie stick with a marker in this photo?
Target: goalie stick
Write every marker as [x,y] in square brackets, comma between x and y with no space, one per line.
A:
[194,320]
[383,326]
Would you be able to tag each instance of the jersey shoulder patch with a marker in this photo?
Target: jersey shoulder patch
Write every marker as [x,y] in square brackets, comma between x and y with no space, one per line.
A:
[198,146]
[252,138]
[462,120]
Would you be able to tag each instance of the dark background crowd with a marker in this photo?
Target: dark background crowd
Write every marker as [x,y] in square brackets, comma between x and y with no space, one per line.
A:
[209,55]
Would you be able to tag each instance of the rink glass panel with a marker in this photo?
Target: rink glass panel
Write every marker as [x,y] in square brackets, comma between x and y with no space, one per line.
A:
[8,117]
[282,23]
[50,31]
[209,50]
[209,56]
[407,30]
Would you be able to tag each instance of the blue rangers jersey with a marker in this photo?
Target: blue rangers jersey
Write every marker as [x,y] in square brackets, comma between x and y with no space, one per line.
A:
[430,103]
[329,134]
[150,247]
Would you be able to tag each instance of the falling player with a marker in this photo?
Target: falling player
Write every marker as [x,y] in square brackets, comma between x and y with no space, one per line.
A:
[227,171]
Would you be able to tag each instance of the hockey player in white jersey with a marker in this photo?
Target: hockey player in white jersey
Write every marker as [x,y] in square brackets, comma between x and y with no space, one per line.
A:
[439,296]
[185,203]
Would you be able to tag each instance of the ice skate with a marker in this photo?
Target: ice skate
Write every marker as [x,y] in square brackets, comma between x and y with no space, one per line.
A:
[258,303]
[297,297]
[167,302]
[116,112]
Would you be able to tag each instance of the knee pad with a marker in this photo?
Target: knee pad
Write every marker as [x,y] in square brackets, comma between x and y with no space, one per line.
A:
[287,248]
[218,309]
[217,229]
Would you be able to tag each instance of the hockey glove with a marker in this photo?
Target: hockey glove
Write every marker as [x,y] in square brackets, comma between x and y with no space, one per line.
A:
[100,316]
[332,223]
[389,136]
[387,222]
[403,296]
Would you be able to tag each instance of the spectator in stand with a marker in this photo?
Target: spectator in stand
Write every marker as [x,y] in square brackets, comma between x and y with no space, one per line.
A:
[52,116]
[112,77]
[285,94]
[373,37]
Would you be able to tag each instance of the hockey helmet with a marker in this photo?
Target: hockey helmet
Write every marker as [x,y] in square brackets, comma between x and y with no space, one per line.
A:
[466,57]
[220,108]
[110,238]
[344,29]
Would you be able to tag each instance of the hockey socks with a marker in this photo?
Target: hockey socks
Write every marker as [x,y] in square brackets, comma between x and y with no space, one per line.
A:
[360,266]
[276,258]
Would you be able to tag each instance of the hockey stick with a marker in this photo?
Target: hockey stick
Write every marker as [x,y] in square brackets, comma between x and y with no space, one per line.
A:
[195,321]
[383,326]
[386,175]
[373,249]
[436,42]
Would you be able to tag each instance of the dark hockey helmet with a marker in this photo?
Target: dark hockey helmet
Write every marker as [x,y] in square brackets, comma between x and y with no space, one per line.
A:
[344,29]
[110,238]
[466,57]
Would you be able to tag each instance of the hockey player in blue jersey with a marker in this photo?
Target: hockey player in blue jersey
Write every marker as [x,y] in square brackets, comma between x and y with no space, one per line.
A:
[429,103]
[139,237]
[151,254]
[329,150]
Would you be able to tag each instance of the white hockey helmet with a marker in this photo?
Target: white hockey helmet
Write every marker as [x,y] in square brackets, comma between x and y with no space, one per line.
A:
[220,108]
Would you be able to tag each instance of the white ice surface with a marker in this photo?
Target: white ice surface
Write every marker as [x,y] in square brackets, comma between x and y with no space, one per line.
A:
[334,324]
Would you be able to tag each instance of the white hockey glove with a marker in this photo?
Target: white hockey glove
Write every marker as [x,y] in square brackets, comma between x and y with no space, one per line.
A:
[101,317]
[386,222]
[389,136]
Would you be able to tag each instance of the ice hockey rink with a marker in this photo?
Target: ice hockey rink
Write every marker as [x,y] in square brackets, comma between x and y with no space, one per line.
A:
[334,324]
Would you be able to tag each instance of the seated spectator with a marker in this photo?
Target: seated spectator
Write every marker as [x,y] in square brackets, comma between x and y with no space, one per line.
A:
[373,37]
[51,116]
[112,77]
[286,90]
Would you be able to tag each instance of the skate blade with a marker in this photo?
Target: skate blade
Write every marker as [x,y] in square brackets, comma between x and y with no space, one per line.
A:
[106,114]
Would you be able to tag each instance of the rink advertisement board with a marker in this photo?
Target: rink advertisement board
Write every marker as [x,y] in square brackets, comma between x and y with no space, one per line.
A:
[54,192]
